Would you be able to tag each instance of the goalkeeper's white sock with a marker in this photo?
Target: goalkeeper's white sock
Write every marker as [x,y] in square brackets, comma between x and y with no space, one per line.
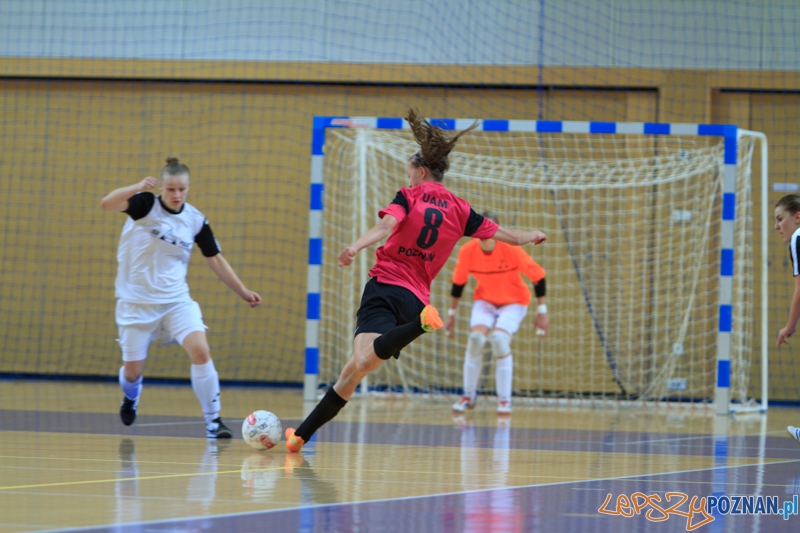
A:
[473,363]
[472,373]
[504,373]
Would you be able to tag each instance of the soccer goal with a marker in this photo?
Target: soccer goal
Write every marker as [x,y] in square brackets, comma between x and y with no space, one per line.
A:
[650,257]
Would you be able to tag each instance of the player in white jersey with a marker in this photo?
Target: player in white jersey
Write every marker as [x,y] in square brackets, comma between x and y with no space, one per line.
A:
[152,294]
[787,223]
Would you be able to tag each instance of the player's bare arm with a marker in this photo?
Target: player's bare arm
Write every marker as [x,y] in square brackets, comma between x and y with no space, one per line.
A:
[225,272]
[794,315]
[117,200]
[517,237]
[377,233]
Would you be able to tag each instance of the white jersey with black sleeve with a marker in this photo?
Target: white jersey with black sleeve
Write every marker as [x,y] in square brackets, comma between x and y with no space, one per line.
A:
[154,250]
[794,252]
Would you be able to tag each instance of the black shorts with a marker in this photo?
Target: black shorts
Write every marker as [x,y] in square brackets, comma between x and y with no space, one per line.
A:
[385,306]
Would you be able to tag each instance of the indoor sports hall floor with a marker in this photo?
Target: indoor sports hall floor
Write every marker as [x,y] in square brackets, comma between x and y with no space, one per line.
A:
[384,465]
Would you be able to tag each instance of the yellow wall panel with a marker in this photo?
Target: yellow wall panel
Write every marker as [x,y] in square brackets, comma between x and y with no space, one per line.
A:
[65,143]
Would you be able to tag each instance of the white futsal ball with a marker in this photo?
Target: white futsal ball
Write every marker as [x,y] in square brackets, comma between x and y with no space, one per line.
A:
[261,430]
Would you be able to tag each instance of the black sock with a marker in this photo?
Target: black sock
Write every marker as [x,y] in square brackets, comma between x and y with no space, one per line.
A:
[390,343]
[327,408]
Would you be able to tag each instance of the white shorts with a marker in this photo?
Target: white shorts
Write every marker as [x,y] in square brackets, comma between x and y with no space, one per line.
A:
[141,324]
[508,317]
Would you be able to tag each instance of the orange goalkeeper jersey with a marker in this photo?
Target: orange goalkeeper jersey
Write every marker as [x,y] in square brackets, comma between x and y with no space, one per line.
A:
[497,272]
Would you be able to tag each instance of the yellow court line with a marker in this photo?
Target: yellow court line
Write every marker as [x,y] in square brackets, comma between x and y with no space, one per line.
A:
[138,461]
[240,471]
[139,478]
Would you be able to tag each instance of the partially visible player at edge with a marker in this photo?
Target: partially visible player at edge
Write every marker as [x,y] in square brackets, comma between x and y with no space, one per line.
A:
[500,303]
[152,294]
[787,223]
[424,222]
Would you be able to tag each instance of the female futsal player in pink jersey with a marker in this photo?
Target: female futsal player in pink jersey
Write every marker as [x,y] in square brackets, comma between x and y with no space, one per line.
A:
[424,222]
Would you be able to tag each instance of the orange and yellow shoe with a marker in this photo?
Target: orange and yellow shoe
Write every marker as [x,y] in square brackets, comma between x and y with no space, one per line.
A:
[430,318]
[293,442]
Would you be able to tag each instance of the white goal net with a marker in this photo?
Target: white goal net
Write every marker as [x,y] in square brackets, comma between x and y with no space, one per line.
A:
[632,261]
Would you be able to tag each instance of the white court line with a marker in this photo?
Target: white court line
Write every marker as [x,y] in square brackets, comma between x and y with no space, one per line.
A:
[387,500]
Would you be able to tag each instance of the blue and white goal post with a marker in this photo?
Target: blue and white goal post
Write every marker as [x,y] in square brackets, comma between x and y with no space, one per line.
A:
[729,137]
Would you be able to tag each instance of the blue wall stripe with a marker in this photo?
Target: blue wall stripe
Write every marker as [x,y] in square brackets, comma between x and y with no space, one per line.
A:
[444,123]
[602,127]
[312,360]
[726,262]
[317,141]
[313,305]
[656,129]
[730,150]
[314,251]
[549,126]
[725,318]
[495,125]
[316,195]
[729,206]
[390,123]
[723,374]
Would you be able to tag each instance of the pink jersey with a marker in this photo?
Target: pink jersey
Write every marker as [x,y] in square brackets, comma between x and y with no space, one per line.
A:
[430,221]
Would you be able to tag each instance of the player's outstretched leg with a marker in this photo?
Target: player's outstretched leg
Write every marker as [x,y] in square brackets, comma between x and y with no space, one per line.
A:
[327,408]
[130,402]
[369,351]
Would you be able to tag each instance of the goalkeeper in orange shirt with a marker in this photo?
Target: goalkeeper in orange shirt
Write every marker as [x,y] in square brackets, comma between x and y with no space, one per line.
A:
[500,303]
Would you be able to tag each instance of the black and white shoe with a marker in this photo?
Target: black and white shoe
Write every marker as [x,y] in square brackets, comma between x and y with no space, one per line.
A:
[218,430]
[127,411]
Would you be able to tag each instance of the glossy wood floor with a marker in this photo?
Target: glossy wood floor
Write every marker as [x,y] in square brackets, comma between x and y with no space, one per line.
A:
[67,463]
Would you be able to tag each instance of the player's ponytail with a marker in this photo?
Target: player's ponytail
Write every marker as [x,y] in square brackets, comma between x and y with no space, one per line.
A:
[434,144]
[790,203]
[174,168]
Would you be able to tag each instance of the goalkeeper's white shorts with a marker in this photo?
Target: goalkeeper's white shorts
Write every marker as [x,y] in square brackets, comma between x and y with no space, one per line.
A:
[508,317]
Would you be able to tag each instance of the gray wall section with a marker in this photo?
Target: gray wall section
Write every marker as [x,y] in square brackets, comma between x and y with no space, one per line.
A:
[719,34]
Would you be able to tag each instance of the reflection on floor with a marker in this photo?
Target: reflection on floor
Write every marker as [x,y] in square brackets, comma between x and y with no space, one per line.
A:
[388,465]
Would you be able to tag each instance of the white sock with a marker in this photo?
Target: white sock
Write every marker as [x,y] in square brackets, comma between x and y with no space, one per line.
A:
[473,364]
[472,373]
[131,390]
[205,382]
[504,373]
